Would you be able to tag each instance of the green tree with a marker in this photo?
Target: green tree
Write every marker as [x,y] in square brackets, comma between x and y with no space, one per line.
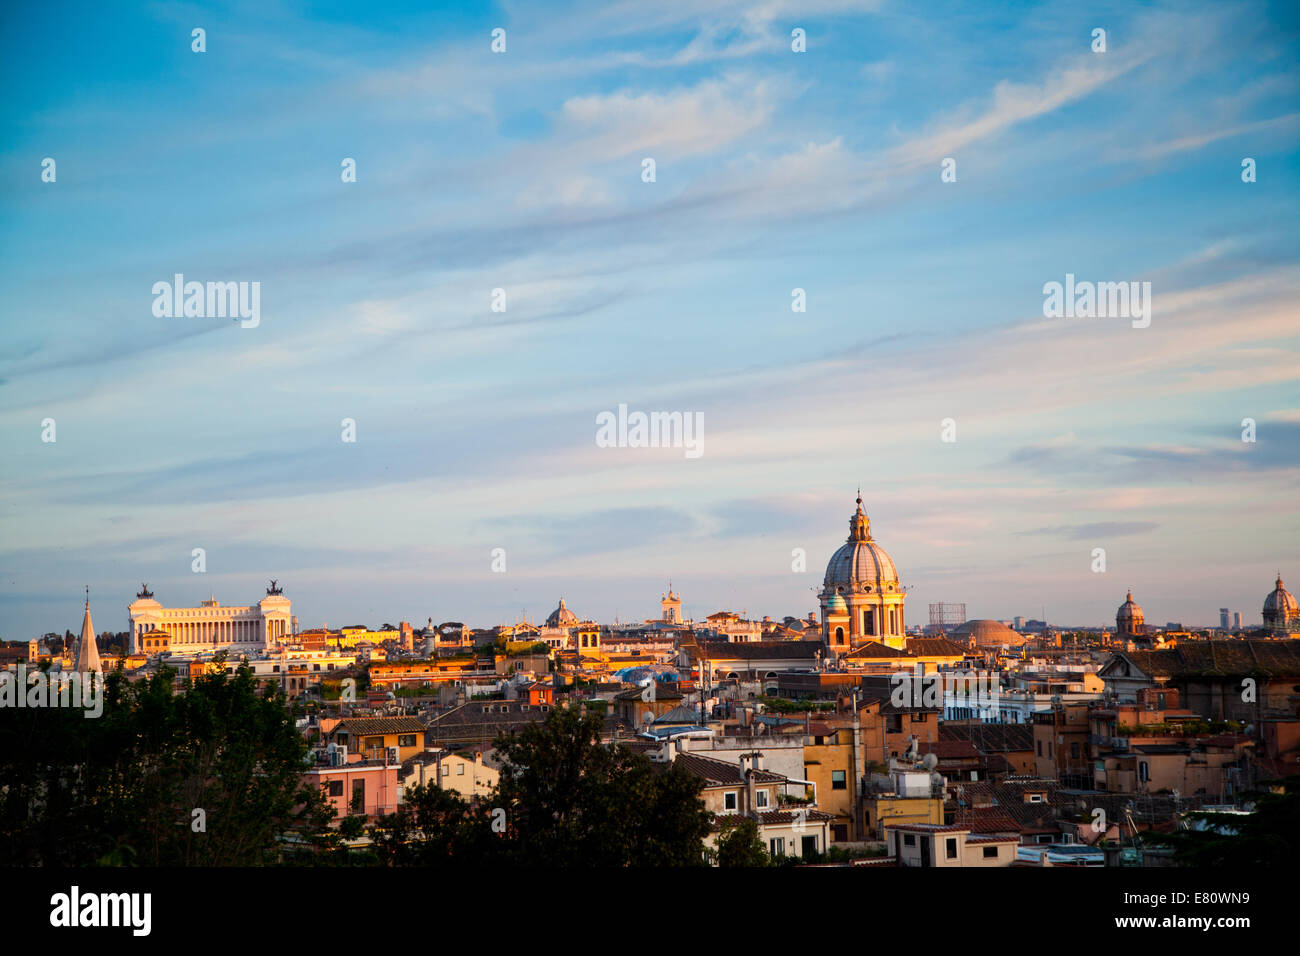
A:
[740,845]
[435,827]
[212,776]
[570,800]
[1270,836]
[352,827]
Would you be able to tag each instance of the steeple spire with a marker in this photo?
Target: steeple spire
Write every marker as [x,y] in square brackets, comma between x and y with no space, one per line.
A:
[87,649]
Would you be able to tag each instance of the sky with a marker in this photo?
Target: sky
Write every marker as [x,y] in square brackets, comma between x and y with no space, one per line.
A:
[522,170]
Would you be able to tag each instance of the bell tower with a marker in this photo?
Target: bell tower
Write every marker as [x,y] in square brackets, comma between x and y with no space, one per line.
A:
[670,606]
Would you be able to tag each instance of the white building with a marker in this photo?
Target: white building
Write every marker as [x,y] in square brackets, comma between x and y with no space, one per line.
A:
[211,627]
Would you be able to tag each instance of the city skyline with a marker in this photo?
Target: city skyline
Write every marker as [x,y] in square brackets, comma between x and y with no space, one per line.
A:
[916,616]
[776,171]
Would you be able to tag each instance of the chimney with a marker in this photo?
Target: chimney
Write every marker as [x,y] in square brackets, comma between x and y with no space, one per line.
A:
[750,786]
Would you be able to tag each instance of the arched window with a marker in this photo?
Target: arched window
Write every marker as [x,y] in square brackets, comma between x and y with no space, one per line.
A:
[839,635]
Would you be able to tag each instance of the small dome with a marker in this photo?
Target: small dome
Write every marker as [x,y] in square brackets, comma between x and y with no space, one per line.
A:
[987,633]
[836,605]
[562,617]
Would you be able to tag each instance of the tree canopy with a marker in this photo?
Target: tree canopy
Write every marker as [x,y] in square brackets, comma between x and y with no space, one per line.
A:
[1270,836]
[211,776]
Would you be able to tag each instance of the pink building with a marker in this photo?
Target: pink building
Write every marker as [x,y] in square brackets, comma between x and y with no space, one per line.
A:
[366,787]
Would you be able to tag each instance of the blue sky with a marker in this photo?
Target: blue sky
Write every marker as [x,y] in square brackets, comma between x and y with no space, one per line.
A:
[775,170]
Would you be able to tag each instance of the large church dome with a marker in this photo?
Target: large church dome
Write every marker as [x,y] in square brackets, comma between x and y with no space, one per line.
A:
[562,617]
[1280,606]
[1129,618]
[860,564]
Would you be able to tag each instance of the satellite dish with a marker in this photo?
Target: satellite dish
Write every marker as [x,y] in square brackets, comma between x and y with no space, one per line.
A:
[930,761]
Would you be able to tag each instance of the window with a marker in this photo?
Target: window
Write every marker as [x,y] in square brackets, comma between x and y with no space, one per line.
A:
[950,848]
[336,788]
[760,799]
[777,846]
[358,796]
[460,770]
[1144,773]
[838,780]
[909,839]
[1074,751]
[1035,798]
[1040,747]
[406,740]
[990,853]
[840,832]
[729,800]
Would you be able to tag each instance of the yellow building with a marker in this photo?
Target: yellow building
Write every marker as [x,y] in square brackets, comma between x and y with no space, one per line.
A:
[466,774]
[352,636]
[910,798]
[154,642]
[935,845]
[846,756]
[747,790]
[374,737]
